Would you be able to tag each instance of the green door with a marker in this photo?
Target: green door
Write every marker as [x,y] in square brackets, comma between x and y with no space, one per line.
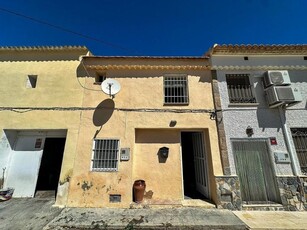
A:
[254,169]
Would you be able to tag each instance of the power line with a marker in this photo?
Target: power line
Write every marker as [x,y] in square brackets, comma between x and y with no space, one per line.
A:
[69,31]
[148,110]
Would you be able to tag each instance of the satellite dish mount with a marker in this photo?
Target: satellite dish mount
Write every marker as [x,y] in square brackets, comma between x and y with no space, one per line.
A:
[110,87]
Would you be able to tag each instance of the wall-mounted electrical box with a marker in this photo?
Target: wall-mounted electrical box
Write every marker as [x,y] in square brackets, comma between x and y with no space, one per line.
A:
[282,157]
[125,154]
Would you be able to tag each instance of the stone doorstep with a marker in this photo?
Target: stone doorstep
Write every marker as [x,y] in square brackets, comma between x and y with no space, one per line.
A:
[259,207]
[172,204]
[45,194]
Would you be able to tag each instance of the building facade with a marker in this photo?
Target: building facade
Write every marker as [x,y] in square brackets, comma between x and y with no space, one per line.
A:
[260,100]
[157,128]
[40,105]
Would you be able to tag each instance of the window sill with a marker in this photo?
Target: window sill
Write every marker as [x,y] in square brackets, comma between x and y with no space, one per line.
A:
[175,104]
[243,104]
[104,171]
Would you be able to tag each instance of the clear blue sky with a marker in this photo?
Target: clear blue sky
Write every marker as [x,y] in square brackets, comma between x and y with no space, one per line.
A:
[152,27]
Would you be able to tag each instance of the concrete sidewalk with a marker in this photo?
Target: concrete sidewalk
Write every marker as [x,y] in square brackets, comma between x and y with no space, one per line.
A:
[37,214]
[27,213]
[273,219]
[166,218]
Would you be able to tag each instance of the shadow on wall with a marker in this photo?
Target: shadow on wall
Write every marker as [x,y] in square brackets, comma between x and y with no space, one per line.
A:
[11,136]
[259,92]
[37,54]
[103,113]
[81,71]
[205,77]
[268,118]
[156,136]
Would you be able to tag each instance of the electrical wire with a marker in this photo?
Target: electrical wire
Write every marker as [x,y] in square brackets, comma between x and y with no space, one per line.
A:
[68,30]
[149,110]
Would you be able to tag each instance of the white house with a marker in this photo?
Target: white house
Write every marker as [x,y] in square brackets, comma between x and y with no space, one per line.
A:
[260,96]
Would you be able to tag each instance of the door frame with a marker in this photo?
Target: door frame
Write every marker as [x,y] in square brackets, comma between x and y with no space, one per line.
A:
[40,133]
[206,166]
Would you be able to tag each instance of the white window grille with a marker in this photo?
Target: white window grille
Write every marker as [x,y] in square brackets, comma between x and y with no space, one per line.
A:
[105,155]
[239,88]
[176,89]
[299,136]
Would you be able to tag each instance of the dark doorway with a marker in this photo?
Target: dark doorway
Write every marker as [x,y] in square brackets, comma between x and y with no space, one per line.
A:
[193,169]
[50,168]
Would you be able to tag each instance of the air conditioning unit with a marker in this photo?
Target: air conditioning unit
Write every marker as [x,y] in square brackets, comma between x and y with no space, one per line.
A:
[282,95]
[276,77]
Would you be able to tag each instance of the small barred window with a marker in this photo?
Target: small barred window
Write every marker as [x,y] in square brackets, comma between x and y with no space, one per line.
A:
[176,89]
[105,155]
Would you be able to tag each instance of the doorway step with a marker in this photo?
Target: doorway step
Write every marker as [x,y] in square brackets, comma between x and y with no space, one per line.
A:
[263,207]
[152,204]
[197,203]
[45,194]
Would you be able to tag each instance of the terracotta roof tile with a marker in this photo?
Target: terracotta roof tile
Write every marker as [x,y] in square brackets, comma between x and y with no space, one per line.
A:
[294,49]
[41,48]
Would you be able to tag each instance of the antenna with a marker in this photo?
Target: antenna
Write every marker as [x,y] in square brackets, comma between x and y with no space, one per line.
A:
[110,87]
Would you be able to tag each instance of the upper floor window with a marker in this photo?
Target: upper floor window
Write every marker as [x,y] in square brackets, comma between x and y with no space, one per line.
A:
[239,88]
[176,89]
[99,78]
[105,155]
[299,136]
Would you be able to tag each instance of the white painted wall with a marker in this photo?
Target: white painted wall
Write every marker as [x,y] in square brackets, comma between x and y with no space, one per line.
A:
[258,60]
[264,121]
[7,141]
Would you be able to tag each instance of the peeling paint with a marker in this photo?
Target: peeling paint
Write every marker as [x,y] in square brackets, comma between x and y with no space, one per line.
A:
[66,180]
[86,185]
[109,188]
[148,195]
[67,177]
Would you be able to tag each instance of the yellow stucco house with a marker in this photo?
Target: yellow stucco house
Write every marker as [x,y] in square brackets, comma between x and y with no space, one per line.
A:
[40,112]
[155,121]
[158,127]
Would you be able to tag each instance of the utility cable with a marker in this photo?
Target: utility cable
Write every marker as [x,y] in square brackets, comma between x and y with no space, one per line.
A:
[150,110]
[68,30]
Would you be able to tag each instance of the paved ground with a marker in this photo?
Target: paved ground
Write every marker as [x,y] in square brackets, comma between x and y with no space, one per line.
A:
[38,213]
[27,213]
[168,218]
[273,220]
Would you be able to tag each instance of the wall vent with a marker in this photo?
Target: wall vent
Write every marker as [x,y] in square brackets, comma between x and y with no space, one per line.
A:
[115,198]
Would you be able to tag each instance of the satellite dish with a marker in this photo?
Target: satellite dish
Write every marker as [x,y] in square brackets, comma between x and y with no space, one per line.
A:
[110,87]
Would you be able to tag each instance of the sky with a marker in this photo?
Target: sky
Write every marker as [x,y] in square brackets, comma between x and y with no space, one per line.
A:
[152,27]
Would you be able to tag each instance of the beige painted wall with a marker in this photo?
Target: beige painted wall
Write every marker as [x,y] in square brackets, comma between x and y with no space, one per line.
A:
[57,86]
[140,89]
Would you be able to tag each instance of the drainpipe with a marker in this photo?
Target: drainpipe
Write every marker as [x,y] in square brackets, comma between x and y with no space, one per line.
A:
[289,144]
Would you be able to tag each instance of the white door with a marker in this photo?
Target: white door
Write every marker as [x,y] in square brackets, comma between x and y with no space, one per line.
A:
[24,165]
[200,163]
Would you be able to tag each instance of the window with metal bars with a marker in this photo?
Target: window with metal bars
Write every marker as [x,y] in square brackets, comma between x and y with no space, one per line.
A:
[176,89]
[105,155]
[299,136]
[239,88]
